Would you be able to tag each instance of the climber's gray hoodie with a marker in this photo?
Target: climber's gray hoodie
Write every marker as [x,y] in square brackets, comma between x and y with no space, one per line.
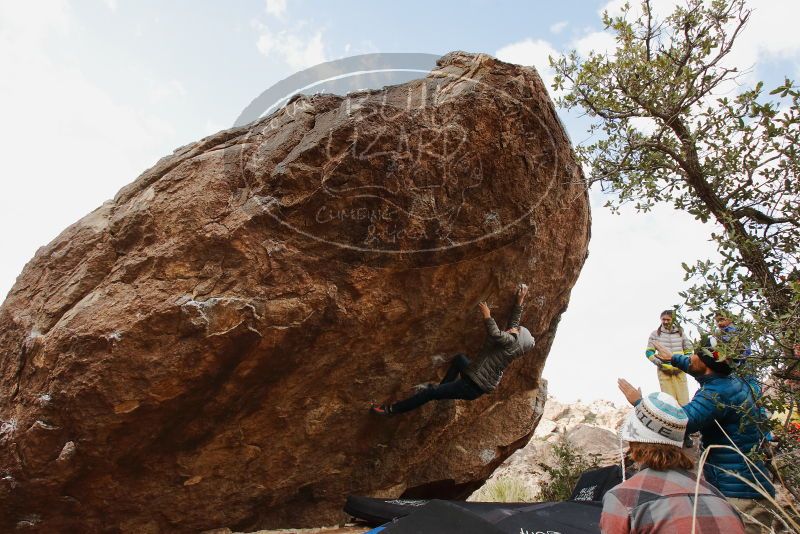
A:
[499,350]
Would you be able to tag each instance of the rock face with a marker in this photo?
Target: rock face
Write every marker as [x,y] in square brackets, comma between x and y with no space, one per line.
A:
[201,351]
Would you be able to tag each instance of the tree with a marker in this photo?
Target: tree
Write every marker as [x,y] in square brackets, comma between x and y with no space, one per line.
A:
[569,463]
[673,124]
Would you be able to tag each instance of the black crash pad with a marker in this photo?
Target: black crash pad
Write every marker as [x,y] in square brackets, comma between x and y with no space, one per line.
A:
[441,517]
[593,484]
[380,511]
[569,517]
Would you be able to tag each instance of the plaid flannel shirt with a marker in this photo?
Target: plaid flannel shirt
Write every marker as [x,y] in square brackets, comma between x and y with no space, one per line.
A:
[662,501]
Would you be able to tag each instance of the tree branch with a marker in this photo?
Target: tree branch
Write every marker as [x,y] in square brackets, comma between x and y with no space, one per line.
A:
[762,218]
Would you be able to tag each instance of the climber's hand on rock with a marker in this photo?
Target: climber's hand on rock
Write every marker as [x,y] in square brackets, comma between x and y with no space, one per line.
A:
[522,291]
[631,393]
[485,311]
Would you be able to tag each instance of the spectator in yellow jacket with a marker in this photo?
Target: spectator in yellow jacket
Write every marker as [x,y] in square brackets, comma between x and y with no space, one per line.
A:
[672,338]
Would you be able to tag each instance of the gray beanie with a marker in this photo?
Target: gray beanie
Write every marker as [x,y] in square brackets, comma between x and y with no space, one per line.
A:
[525,339]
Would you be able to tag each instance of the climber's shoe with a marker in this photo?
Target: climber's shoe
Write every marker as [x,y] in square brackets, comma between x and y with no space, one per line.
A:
[380,409]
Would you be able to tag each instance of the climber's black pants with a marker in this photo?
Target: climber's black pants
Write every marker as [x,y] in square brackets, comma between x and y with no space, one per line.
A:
[454,385]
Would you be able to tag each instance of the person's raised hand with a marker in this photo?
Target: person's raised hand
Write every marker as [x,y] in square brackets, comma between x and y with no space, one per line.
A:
[522,292]
[631,393]
[662,353]
[485,311]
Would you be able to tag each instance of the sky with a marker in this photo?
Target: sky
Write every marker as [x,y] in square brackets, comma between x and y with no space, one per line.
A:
[94,92]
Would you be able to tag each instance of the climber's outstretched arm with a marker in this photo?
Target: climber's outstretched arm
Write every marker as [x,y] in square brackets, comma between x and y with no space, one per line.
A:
[500,337]
[516,311]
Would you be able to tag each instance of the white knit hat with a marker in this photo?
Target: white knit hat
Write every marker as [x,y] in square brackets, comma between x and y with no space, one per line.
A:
[658,418]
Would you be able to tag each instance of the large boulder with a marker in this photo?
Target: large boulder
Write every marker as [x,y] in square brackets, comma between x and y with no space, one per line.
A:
[201,351]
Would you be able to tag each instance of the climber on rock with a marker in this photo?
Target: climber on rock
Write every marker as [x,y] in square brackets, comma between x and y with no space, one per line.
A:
[469,380]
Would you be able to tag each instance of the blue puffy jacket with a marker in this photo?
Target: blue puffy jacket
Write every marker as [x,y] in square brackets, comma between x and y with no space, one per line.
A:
[730,401]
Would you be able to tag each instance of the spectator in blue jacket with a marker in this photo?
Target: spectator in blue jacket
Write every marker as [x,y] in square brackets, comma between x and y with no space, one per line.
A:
[738,350]
[723,407]
[729,334]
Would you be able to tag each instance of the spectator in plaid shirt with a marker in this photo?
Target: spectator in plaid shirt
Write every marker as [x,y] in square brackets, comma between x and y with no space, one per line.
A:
[660,497]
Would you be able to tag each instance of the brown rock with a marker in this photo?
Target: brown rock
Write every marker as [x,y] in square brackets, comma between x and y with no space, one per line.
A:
[201,351]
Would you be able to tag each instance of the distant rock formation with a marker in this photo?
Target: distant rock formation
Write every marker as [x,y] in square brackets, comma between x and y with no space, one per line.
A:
[592,428]
[201,351]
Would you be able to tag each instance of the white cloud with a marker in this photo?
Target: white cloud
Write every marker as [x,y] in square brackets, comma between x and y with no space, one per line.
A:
[598,42]
[531,52]
[603,42]
[771,34]
[276,7]
[299,49]
[614,7]
[296,48]
[297,52]
[558,27]
[773,28]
